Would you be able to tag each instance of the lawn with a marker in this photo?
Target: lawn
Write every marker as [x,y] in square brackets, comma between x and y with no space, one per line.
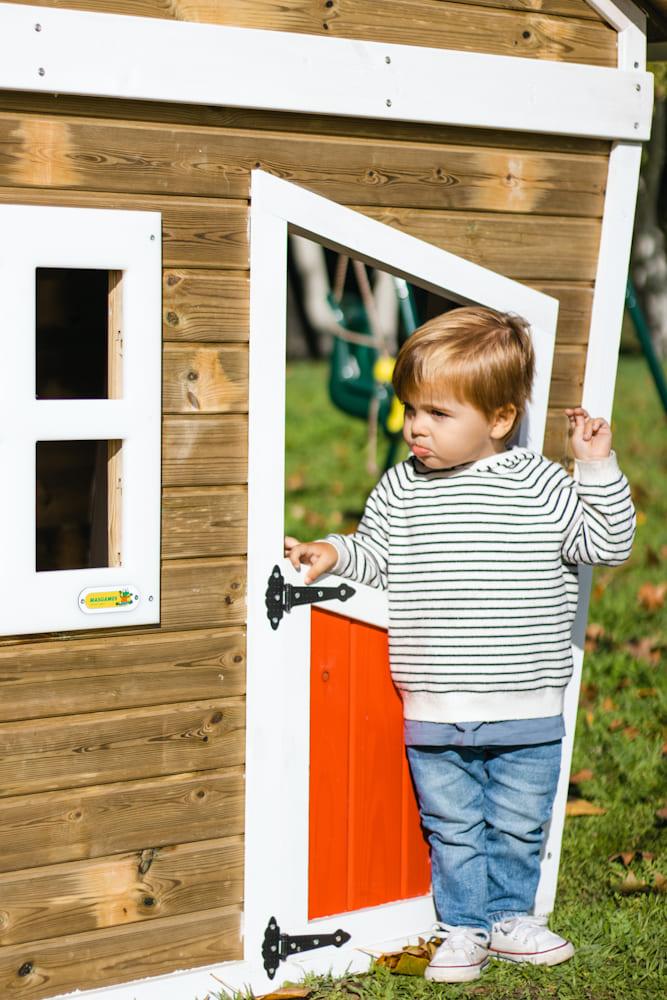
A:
[615,912]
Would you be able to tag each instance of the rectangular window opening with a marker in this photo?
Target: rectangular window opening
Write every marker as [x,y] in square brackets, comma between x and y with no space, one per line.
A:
[78,504]
[78,333]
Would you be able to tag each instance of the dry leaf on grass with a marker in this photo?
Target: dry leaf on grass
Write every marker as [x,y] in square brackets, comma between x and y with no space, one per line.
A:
[627,857]
[584,775]
[661,816]
[595,634]
[582,807]
[631,885]
[608,705]
[652,595]
[615,724]
[646,692]
[631,733]
[644,649]
[659,882]
[412,960]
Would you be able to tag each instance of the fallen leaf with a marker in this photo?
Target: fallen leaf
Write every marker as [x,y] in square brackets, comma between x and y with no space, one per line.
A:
[631,885]
[624,682]
[643,649]
[652,595]
[661,816]
[631,733]
[410,965]
[642,518]
[626,857]
[295,482]
[337,487]
[646,692]
[584,775]
[664,749]
[582,807]
[663,551]
[615,724]
[589,719]
[608,705]
[659,882]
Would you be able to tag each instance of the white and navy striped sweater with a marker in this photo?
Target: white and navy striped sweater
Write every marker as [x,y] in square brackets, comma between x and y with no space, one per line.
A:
[480,564]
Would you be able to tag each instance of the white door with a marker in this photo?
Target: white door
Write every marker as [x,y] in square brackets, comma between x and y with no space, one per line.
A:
[278,807]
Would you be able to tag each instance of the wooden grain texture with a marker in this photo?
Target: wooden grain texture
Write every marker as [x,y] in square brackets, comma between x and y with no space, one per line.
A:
[205,306]
[409,22]
[99,747]
[203,521]
[117,157]
[200,593]
[120,889]
[78,675]
[252,118]
[574,312]
[201,378]
[564,8]
[556,438]
[205,450]
[120,954]
[53,827]
[567,375]
[531,248]
[196,232]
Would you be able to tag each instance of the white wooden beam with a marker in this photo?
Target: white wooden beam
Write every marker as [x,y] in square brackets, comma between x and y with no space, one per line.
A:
[111,55]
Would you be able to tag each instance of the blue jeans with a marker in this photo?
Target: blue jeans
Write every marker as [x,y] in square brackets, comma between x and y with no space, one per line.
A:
[484,810]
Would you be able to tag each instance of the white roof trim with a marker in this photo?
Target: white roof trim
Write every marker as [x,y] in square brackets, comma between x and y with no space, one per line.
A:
[111,55]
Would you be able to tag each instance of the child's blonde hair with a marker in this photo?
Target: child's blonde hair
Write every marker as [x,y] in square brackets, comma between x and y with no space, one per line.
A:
[477,355]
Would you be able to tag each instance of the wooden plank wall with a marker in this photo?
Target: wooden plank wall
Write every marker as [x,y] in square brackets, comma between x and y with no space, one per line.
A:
[121,754]
[564,30]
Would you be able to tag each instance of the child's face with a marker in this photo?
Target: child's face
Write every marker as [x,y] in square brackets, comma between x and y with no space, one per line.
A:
[442,431]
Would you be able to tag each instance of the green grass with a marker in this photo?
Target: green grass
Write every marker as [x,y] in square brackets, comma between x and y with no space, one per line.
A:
[621,939]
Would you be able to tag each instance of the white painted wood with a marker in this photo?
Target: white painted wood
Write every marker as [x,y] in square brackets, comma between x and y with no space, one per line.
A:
[112,55]
[597,398]
[279,661]
[36,236]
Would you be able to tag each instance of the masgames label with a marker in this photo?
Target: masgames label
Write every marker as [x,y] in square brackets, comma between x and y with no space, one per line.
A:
[93,601]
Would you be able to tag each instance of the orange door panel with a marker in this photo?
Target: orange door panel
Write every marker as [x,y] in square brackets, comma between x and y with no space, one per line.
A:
[366,844]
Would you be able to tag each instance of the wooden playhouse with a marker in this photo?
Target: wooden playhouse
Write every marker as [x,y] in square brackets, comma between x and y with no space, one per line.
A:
[159,772]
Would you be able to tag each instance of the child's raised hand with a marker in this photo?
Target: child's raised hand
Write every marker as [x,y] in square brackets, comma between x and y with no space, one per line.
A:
[590,436]
[319,556]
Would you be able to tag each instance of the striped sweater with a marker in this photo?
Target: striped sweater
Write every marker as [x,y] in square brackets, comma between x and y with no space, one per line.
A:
[480,564]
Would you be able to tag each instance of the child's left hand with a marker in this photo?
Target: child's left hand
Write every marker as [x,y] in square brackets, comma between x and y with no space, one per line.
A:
[590,436]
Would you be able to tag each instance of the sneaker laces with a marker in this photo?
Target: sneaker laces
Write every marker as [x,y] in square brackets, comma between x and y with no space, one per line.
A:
[465,938]
[524,922]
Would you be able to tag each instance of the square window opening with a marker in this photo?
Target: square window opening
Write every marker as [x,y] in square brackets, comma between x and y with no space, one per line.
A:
[78,333]
[78,494]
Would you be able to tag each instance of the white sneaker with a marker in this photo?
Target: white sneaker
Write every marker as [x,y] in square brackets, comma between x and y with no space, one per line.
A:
[463,954]
[528,939]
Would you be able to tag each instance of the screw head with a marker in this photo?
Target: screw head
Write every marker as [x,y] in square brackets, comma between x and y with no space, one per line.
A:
[388,103]
[38,27]
[387,59]
[152,236]
[636,124]
[638,86]
[41,71]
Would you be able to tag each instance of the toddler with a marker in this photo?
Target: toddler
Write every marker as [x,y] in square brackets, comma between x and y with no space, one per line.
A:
[477,544]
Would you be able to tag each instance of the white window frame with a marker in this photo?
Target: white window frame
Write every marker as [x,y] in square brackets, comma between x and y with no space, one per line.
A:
[56,237]
[278,660]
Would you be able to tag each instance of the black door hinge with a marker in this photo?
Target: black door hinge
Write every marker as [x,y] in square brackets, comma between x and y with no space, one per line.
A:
[278,947]
[281,596]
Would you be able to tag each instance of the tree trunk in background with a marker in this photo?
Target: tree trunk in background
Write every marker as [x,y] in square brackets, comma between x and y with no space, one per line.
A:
[648,261]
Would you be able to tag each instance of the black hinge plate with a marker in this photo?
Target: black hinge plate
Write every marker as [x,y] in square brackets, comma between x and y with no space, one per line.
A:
[277,947]
[282,597]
